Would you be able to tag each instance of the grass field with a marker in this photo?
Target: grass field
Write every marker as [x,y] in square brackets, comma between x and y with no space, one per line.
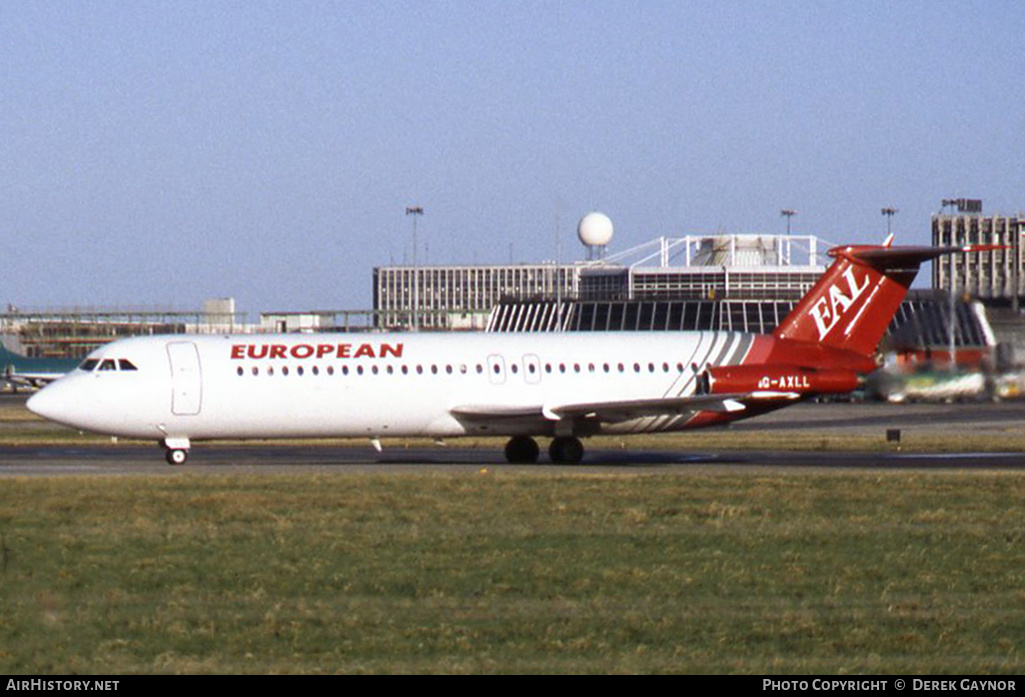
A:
[877,572]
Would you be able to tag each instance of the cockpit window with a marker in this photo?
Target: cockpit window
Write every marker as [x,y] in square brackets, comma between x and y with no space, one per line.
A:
[106,364]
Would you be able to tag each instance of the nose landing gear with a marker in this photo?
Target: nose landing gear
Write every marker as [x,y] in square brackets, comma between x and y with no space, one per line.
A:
[176,457]
[176,450]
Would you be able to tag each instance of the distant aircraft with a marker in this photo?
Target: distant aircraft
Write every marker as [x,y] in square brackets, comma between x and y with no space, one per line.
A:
[22,371]
[563,386]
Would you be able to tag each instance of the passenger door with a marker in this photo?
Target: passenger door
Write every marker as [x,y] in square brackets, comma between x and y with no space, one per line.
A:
[186,378]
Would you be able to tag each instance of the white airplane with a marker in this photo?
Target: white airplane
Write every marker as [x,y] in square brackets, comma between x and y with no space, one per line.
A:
[180,389]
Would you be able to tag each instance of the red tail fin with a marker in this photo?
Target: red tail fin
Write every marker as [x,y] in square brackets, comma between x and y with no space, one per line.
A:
[854,301]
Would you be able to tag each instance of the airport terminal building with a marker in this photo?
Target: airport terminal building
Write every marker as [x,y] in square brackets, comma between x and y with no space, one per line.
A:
[995,276]
[74,332]
[752,269]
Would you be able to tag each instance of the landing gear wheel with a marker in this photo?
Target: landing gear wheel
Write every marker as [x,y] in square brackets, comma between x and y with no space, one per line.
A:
[176,456]
[566,450]
[522,450]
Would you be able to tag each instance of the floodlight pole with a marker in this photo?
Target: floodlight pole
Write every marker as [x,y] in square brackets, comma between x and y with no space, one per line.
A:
[557,276]
[953,327]
[889,212]
[1016,248]
[788,213]
[415,211]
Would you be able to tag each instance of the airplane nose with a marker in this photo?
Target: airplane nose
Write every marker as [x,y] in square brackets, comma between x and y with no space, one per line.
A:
[50,403]
[40,403]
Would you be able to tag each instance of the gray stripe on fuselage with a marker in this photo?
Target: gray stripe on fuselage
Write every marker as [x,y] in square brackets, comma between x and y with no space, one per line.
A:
[688,374]
[697,366]
[730,341]
[743,346]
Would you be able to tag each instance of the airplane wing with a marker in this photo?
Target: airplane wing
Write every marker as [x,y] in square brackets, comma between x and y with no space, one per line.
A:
[499,412]
[615,411]
[628,409]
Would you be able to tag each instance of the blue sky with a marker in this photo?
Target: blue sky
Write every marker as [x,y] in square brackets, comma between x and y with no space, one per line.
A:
[161,153]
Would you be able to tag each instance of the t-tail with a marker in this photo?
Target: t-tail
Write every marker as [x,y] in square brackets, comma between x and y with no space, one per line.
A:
[853,302]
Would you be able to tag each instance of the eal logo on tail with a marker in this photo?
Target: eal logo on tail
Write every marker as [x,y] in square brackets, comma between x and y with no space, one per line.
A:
[827,311]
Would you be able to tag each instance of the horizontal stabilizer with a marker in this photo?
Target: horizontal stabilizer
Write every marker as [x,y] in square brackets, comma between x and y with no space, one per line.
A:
[906,257]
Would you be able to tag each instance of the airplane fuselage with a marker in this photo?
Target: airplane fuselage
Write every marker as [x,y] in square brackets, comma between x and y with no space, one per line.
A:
[376,385]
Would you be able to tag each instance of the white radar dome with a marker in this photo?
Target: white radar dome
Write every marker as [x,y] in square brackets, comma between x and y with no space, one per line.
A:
[595,230]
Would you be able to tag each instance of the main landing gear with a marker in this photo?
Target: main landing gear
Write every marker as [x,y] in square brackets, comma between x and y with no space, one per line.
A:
[564,450]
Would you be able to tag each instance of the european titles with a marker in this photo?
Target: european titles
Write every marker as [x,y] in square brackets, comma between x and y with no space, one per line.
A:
[320,351]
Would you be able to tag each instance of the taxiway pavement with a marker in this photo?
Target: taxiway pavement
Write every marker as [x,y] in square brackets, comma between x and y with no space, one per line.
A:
[975,418]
